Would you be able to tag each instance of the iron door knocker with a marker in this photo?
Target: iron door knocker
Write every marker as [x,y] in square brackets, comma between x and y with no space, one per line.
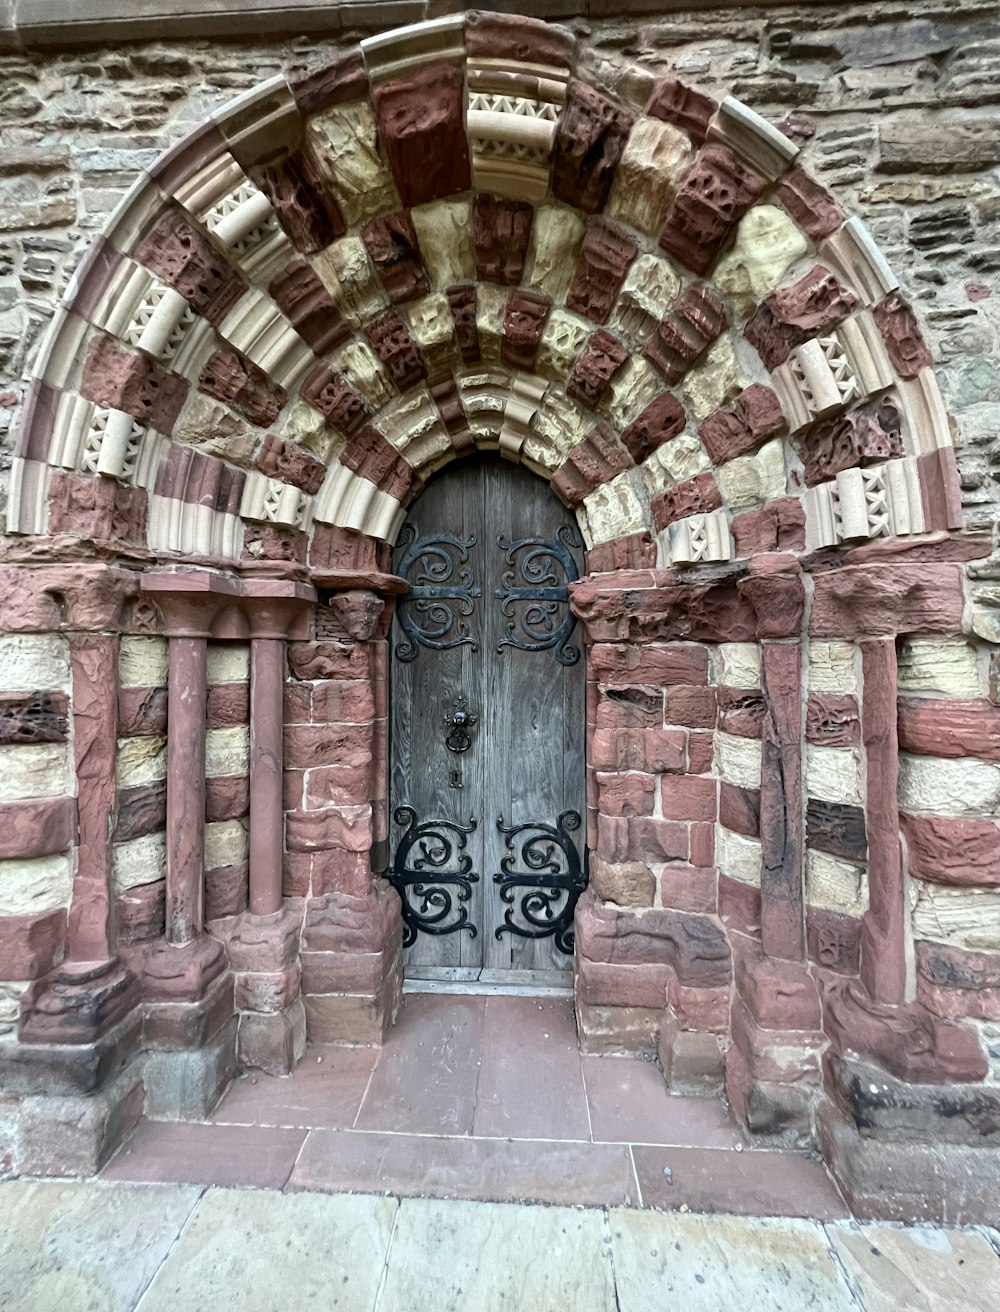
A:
[461,721]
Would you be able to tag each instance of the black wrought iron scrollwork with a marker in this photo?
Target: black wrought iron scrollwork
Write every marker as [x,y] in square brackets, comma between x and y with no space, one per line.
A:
[550,872]
[442,593]
[433,875]
[534,593]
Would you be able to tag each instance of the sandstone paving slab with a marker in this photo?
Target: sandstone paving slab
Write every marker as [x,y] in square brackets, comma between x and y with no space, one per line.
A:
[191,1153]
[85,1246]
[706,1263]
[270,1252]
[490,1170]
[755,1182]
[325,1089]
[630,1103]
[919,1269]
[489,1257]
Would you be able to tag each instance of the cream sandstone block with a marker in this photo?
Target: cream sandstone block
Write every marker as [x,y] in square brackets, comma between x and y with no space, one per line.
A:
[142,662]
[833,774]
[951,668]
[835,884]
[967,918]
[226,843]
[556,233]
[945,787]
[653,163]
[613,511]
[139,861]
[737,665]
[141,760]
[767,243]
[345,138]
[34,660]
[228,662]
[444,234]
[674,462]
[750,481]
[227,751]
[34,770]
[832,667]
[737,856]
[737,760]
[41,883]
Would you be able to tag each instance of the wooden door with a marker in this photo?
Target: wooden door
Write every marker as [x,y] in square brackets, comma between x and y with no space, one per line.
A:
[487,733]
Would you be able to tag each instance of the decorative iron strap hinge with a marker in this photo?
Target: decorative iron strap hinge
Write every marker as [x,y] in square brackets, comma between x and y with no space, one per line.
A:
[550,873]
[442,594]
[433,875]
[534,594]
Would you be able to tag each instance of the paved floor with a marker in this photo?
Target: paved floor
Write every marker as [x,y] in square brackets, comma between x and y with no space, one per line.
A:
[484,1098]
[112,1247]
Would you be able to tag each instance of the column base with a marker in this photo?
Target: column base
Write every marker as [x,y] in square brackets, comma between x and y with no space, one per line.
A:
[186,1085]
[74,1135]
[352,967]
[692,1060]
[603,1030]
[77,1002]
[273,1042]
[951,1183]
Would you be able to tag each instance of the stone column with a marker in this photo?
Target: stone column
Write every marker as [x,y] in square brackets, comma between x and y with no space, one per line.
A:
[91,991]
[187,692]
[267,658]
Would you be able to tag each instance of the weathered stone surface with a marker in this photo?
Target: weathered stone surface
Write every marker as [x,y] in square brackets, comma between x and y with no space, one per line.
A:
[714,196]
[392,343]
[290,464]
[306,210]
[778,526]
[501,230]
[752,418]
[590,464]
[606,254]
[837,828]
[332,394]
[184,257]
[523,322]
[596,366]
[240,383]
[693,945]
[422,128]
[909,144]
[869,432]
[628,883]
[875,601]
[590,138]
[739,809]
[126,381]
[810,205]
[677,103]
[793,315]
[694,497]
[310,309]
[903,340]
[656,157]
[38,717]
[832,720]
[660,421]
[686,332]
[392,245]
[949,728]
[951,851]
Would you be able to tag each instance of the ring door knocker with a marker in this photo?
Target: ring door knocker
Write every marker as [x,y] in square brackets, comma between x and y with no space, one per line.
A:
[460,722]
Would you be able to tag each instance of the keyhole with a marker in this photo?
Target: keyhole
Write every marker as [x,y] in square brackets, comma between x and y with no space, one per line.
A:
[455,779]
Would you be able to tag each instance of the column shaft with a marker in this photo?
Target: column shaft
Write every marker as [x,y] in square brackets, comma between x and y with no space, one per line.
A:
[187,691]
[266,750]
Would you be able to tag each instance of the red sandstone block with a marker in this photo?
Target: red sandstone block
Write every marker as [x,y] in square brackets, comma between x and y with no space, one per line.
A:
[779,526]
[951,728]
[625,794]
[228,705]
[421,127]
[267,991]
[226,797]
[739,809]
[227,890]
[689,797]
[630,708]
[308,745]
[702,839]
[658,840]
[877,600]
[834,940]
[347,701]
[779,995]
[328,660]
[833,720]
[958,985]
[348,827]
[40,827]
[141,712]
[603,983]
[297,703]
[613,662]
[349,783]
[741,711]
[655,750]
[690,888]
[339,871]
[739,905]
[694,708]
[703,1010]
[947,851]
[293,790]
[30,946]
[296,878]
[701,751]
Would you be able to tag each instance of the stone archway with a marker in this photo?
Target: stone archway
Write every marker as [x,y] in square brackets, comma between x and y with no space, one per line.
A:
[467,235]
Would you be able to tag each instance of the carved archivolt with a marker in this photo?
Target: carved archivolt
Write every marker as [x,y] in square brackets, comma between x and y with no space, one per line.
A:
[449,239]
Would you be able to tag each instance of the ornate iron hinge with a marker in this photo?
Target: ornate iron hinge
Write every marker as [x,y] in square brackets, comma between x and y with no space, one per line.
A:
[552,875]
[534,593]
[433,894]
[442,594]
